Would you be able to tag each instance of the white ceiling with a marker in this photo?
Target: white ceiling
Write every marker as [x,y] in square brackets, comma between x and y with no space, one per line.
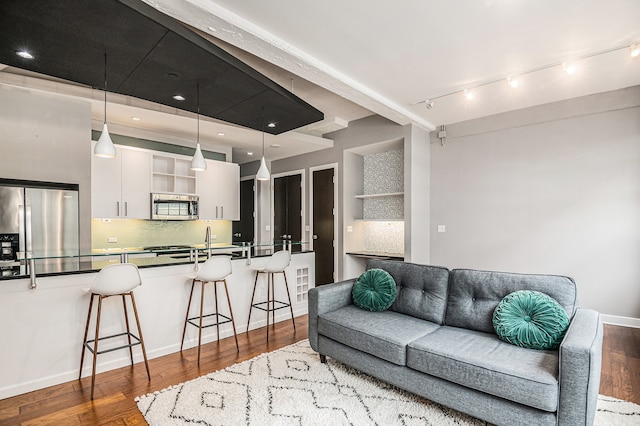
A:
[351,59]
[386,56]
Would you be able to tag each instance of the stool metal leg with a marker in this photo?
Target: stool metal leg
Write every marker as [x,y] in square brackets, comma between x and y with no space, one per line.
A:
[186,318]
[286,284]
[126,320]
[255,283]
[268,299]
[200,327]
[86,334]
[215,295]
[233,323]
[273,300]
[95,345]
[144,351]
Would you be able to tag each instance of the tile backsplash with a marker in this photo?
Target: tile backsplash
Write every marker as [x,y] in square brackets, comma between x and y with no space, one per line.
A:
[384,237]
[141,233]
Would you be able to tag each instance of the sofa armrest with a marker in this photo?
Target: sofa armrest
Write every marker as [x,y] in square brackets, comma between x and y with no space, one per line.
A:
[579,371]
[323,299]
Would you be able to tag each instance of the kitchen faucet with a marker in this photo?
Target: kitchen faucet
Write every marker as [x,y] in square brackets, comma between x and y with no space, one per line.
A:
[207,240]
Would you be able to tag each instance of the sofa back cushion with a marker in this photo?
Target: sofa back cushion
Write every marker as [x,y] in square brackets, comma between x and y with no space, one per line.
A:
[474,295]
[421,289]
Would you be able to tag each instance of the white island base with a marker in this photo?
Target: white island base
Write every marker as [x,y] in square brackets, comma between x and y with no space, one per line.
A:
[42,328]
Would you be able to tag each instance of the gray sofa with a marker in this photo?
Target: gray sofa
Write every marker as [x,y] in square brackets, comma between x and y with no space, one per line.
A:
[437,341]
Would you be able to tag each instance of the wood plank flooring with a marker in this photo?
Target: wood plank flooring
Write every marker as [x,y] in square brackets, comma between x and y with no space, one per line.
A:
[70,404]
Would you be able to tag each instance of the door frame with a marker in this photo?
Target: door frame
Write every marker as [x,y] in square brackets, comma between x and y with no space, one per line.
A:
[303,204]
[336,256]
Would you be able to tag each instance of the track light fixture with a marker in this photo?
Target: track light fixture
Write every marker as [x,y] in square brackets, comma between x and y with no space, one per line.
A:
[570,67]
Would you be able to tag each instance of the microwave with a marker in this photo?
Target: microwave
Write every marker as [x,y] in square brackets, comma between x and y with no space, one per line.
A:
[174,207]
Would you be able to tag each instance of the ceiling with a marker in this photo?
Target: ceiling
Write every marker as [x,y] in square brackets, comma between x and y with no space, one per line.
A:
[130,48]
[352,59]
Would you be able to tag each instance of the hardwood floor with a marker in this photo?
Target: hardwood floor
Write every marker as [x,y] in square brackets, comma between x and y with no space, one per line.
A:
[70,404]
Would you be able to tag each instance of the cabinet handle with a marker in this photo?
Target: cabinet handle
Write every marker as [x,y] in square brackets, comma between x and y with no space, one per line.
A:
[216,212]
[221,212]
[126,208]
[117,208]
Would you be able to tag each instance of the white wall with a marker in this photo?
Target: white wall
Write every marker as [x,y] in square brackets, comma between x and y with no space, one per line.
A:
[550,189]
[47,138]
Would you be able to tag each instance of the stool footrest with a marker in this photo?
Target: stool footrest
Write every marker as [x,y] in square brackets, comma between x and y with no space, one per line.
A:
[104,351]
[279,305]
[225,319]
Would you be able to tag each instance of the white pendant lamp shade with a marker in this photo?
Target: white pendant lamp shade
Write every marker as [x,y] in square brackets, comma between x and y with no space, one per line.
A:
[198,162]
[263,171]
[105,148]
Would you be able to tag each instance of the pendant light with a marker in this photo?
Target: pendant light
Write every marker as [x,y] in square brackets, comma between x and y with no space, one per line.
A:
[263,171]
[105,148]
[198,162]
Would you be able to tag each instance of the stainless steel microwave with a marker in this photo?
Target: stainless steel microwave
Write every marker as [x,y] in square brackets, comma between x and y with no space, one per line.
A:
[174,207]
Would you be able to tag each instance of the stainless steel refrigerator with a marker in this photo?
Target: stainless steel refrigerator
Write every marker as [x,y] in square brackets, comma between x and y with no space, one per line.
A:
[39,220]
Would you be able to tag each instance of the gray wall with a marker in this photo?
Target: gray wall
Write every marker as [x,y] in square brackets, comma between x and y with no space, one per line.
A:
[47,138]
[550,189]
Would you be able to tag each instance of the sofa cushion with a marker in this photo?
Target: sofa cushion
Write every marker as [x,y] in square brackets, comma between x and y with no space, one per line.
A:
[474,295]
[483,362]
[530,319]
[421,289]
[374,290]
[384,334]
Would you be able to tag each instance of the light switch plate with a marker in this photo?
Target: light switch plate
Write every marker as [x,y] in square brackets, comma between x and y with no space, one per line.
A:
[442,228]
[113,239]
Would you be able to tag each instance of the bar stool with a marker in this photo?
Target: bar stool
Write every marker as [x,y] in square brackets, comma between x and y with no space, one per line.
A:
[215,270]
[277,264]
[113,280]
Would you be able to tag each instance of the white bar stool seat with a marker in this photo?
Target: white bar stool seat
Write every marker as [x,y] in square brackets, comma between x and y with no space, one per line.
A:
[215,270]
[113,280]
[276,264]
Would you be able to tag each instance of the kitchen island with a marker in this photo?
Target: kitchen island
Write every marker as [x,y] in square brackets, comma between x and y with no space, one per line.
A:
[43,327]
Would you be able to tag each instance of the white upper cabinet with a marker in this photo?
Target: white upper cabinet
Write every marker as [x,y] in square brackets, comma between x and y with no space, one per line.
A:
[121,186]
[219,191]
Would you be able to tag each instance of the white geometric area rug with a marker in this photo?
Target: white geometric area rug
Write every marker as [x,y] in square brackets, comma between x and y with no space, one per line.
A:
[291,387]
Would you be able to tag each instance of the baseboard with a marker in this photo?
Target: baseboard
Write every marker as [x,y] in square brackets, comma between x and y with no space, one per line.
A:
[621,321]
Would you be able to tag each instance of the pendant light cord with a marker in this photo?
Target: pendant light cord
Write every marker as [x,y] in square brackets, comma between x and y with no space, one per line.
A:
[105,87]
[263,132]
[198,112]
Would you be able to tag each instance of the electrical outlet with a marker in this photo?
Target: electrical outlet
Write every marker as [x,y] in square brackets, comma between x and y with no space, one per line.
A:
[113,239]
[214,237]
[267,228]
[349,228]
[442,228]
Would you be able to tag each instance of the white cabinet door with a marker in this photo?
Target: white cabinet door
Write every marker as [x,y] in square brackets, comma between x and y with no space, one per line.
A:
[136,184]
[106,186]
[228,192]
[219,191]
[121,186]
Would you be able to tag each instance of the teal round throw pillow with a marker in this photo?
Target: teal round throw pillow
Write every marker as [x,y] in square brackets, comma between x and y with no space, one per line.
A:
[375,290]
[530,319]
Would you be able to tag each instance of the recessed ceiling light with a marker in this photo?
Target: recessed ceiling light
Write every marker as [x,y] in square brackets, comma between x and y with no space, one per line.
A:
[275,145]
[212,29]
[220,133]
[179,97]
[249,153]
[24,54]
[513,82]
[135,118]
[569,68]
[635,50]
[272,125]
[468,94]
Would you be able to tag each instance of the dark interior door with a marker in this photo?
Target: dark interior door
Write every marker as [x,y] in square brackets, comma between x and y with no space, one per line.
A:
[287,210]
[243,229]
[323,225]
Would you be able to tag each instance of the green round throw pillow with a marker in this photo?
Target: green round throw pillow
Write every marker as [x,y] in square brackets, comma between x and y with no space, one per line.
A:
[375,290]
[530,319]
